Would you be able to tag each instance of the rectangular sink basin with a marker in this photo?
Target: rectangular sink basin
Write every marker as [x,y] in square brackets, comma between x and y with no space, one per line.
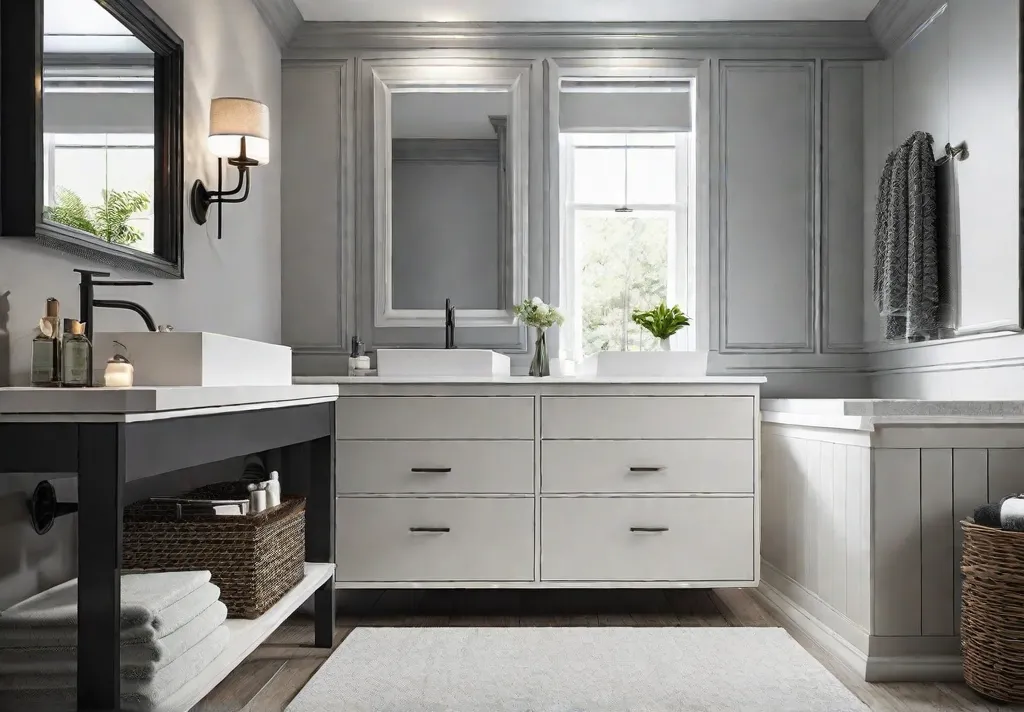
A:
[442,363]
[196,358]
[645,364]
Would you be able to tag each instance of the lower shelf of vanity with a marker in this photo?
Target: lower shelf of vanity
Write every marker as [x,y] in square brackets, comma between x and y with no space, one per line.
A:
[560,542]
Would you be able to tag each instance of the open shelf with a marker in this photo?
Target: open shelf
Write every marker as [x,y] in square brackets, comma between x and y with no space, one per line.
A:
[246,636]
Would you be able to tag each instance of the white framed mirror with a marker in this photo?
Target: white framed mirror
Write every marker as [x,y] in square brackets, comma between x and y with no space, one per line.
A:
[450,155]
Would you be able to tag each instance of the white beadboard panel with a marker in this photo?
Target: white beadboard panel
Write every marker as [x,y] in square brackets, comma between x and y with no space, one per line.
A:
[858,526]
[1005,473]
[970,488]
[839,544]
[767,210]
[812,477]
[896,544]
[843,205]
[937,543]
[823,506]
[311,145]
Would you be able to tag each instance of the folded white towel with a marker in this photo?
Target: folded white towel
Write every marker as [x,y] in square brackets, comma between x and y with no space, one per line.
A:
[59,692]
[166,622]
[1011,513]
[139,661]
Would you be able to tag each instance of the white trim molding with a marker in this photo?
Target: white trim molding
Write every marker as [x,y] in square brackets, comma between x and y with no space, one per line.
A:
[895,22]
[282,18]
[411,76]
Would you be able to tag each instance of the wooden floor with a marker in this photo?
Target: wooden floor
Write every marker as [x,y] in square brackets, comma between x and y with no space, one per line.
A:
[269,679]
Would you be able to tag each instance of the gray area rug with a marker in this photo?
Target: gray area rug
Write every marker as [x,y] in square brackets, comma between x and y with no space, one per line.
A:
[573,670]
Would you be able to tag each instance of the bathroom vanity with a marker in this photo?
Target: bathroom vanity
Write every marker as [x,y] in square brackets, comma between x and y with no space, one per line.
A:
[110,437]
[547,482]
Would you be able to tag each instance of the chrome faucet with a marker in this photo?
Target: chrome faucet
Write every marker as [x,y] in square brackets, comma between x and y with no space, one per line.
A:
[88,303]
[449,324]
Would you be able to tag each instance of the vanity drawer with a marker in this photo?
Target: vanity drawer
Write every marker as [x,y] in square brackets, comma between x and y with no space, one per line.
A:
[435,467]
[610,466]
[647,539]
[473,539]
[435,418]
[647,417]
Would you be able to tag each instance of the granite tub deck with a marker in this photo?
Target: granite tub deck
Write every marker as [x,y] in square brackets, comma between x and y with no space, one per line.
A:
[860,521]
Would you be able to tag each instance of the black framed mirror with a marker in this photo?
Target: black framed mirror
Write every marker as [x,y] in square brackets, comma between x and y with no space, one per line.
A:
[91,157]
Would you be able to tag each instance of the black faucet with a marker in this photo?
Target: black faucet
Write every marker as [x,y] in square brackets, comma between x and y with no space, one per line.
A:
[87,302]
[449,324]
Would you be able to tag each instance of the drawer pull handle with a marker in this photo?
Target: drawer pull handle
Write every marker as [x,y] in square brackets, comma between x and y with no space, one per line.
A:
[432,470]
[647,469]
[429,530]
[648,530]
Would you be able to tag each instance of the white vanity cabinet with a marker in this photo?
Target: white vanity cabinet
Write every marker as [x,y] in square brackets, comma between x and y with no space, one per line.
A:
[534,483]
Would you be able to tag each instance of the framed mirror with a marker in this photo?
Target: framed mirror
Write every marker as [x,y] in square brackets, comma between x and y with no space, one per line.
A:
[91,146]
[450,203]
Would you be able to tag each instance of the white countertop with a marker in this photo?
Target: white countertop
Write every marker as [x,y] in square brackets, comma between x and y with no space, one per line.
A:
[530,380]
[16,403]
[890,408]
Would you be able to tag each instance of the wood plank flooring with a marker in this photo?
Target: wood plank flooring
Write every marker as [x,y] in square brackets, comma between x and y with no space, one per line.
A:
[275,672]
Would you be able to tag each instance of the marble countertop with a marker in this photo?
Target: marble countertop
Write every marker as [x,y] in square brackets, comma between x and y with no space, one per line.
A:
[894,408]
[528,380]
[15,403]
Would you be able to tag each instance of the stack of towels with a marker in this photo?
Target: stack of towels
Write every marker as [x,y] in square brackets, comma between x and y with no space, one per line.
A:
[171,630]
[1007,513]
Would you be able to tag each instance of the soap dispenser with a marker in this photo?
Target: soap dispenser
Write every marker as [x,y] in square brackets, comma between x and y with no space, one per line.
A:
[46,348]
[77,358]
[358,361]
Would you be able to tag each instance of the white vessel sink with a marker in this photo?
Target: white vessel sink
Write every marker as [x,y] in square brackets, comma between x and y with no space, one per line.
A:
[441,363]
[196,358]
[645,364]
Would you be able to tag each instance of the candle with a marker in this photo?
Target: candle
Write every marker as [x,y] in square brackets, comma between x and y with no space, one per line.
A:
[118,374]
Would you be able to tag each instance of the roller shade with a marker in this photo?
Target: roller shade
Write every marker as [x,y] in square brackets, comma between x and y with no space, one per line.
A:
[609,106]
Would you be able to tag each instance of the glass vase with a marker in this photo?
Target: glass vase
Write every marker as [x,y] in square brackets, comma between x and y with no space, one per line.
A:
[540,366]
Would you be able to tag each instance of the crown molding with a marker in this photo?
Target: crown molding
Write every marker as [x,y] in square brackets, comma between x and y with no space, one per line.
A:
[852,39]
[282,18]
[893,23]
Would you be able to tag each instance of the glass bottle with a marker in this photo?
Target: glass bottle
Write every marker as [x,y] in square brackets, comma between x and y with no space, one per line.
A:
[77,358]
[46,348]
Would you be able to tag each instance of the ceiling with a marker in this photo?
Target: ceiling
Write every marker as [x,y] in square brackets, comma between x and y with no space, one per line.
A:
[581,10]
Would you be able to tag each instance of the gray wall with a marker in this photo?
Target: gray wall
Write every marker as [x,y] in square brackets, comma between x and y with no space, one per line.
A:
[444,234]
[780,253]
[98,113]
[232,285]
[956,78]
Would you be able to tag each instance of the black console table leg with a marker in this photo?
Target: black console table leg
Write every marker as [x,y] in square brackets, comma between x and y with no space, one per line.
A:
[320,532]
[101,478]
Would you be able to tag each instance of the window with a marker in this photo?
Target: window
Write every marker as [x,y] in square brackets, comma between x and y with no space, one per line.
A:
[88,166]
[625,227]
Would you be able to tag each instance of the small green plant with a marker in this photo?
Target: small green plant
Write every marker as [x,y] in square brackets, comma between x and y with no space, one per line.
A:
[662,321]
[108,221]
[534,312]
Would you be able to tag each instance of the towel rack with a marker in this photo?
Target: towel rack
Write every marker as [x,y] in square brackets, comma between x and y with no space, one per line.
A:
[958,152]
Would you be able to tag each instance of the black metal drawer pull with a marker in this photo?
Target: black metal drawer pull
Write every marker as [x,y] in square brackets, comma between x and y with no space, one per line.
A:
[647,469]
[648,530]
[432,470]
[429,530]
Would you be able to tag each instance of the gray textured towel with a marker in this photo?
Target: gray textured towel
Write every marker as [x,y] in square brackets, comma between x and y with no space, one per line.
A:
[906,280]
[58,693]
[166,622]
[139,661]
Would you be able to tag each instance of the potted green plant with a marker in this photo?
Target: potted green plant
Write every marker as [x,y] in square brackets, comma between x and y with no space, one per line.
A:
[661,322]
[534,312]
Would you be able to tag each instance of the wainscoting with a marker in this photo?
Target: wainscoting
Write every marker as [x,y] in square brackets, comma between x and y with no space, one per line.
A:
[861,535]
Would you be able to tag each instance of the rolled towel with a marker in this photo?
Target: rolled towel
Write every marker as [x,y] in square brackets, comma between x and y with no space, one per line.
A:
[166,622]
[139,661]
[58,693]
[987,515]
[1011,513]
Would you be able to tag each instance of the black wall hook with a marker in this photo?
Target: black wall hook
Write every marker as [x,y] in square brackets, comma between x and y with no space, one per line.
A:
[44,509]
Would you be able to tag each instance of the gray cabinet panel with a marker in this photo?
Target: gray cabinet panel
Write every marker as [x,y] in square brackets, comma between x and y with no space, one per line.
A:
[843,205]
[310,231]
[766,241]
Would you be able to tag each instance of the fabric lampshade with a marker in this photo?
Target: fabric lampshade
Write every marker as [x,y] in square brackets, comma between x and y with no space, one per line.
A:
[233,118]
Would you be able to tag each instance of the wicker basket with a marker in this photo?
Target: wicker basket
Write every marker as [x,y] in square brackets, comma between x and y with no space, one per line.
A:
[992,620]
[254,559]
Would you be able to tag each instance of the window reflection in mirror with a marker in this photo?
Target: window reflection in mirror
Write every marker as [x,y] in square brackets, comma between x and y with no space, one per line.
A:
[451,220]
[98,125]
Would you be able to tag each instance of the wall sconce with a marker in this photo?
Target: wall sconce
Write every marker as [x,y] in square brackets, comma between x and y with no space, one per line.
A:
[239,133]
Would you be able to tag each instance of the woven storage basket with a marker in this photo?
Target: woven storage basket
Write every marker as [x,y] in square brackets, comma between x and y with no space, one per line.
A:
[254,559]
[992,620]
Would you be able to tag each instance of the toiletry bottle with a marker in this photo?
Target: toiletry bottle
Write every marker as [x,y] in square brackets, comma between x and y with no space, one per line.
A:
[273,490]
[257,499]
[77,358]
[358,361]
[46,348]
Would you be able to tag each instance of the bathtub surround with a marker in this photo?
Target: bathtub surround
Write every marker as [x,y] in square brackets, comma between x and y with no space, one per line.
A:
[862,506]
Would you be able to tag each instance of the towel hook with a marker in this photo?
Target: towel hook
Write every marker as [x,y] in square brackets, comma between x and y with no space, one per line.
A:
[958,152]
[44,509]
